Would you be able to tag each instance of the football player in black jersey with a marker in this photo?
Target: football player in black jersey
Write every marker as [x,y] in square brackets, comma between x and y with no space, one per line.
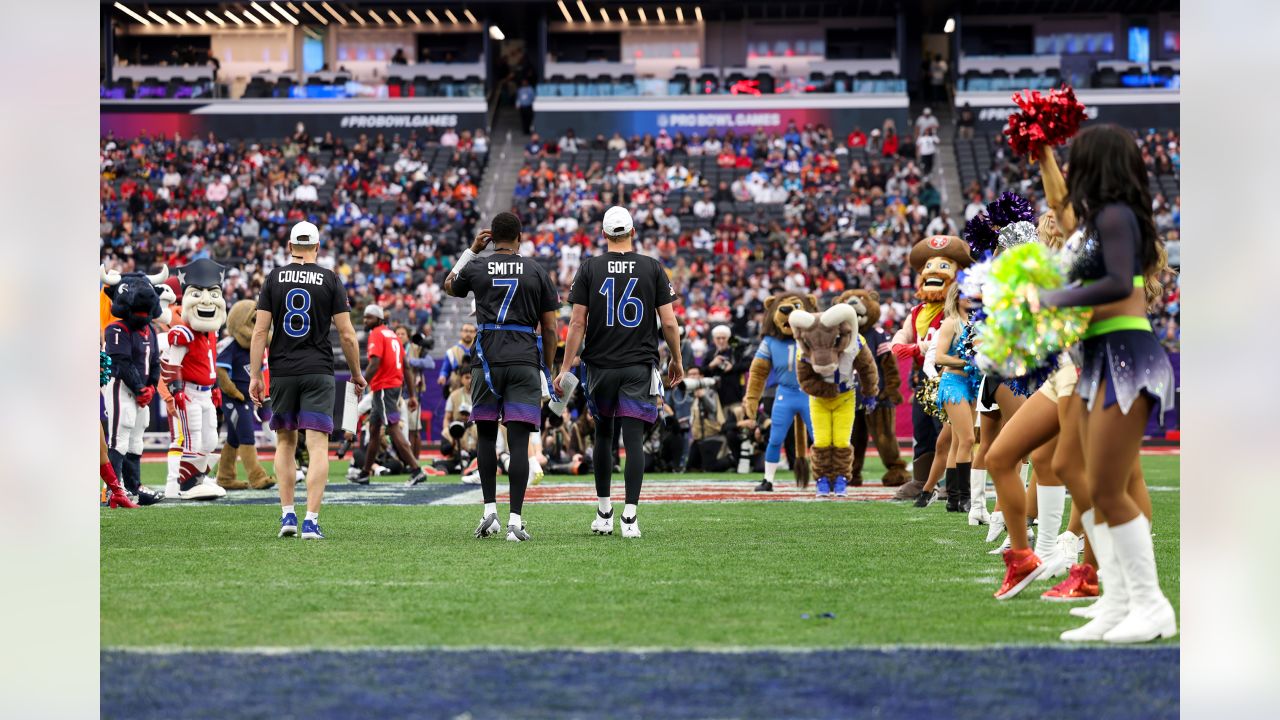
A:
[622,302]
[510,360]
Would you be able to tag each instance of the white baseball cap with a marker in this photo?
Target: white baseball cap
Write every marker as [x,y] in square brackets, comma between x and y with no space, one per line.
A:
[617,221]
[374,310]
[304,233]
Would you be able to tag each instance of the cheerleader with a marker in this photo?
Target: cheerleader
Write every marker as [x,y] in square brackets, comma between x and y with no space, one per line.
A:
[957,389]
[1124,373]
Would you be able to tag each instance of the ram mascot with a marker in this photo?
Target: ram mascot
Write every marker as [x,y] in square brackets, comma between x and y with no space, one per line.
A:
[878,422]
[774,365]
[832,358]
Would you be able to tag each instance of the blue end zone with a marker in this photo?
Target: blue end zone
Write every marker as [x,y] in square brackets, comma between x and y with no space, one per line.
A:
[984,683]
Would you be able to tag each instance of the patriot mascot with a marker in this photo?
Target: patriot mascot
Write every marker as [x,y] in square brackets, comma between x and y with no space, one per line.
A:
[187,368]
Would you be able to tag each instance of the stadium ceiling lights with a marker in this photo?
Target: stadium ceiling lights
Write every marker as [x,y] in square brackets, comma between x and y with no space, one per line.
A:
[413,16]
[265,13]
[158,19]
[586,16]
[661,18]
[132,14]
[374,14]
[452,18]
[679,14]
[176,18]
[209,14]
[357,17]
[470,17]
[950,27]
[604,15]
[434,20]
[622,13]
[334,13]
[292,20]
[196,18]
[495,32]
[565,11]
[392,14]
[643,19]
[234,19]
[323,20]
[252,17]
[697,12]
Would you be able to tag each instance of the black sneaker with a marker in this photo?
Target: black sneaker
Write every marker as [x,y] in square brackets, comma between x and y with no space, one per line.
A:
[358,479]
[344,447]
[416,479]
[147,496]
[926,498]
[764,486]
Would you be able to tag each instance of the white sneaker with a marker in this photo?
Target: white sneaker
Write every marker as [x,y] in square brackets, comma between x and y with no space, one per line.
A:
[603,524]
[472,479]
[996,519]
[518,534]
[630,528]
[213,486]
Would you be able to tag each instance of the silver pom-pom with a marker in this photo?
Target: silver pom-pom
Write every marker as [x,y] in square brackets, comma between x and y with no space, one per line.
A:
[973,278]
[1017,234]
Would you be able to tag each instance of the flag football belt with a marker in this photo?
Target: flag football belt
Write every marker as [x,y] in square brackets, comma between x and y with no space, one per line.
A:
[201,388]
[484,361]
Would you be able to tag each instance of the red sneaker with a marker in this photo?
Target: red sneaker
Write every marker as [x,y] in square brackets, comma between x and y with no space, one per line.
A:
[1021,567]
[1081,584]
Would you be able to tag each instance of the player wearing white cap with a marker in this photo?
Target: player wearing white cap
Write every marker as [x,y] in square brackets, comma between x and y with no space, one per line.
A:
[620,301]
[300,301]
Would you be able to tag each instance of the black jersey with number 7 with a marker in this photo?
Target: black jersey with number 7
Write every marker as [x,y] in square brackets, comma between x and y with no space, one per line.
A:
[302,299]
[622,292]
[510,290]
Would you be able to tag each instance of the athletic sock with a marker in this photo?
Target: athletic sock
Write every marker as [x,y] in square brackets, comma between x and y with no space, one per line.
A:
[286,510]
[770,470]
[515,521]
[605,505]
[633,440]
[487,458]
[1050,500]
[629,511]
[312,516]
[490,508]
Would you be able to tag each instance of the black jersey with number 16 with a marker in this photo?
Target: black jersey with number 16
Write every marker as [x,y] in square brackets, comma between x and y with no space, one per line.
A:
[622,292]
[302,299]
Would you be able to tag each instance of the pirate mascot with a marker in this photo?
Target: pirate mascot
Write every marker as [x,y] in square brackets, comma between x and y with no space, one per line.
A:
[134,369]
[936,260]
[188,370]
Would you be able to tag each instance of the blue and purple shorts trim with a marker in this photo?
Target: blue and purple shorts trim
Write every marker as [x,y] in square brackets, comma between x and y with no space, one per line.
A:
[302,402]
[622,392]
[520,387]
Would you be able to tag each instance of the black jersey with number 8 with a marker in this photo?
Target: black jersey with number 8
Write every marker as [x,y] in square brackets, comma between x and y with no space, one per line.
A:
[302,299]
[622,292]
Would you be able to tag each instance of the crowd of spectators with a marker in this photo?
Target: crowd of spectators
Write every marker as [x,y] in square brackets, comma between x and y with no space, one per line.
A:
[393,210]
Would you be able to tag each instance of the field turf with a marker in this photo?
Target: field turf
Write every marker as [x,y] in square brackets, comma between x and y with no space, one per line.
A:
[741,576]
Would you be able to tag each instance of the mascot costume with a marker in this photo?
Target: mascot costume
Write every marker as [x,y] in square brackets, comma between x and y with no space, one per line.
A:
[131,345]
[237,410]
[831,352]
[936,260]
[877,422]
[187,369]
[775,366]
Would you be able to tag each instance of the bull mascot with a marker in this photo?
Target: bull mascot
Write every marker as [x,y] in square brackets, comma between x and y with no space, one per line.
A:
[187,369]
[130,343]
[774,365]
[877,424]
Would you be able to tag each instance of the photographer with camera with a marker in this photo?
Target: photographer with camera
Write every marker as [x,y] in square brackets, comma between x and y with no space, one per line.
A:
[456,424]
[709,451]
[727,361]
[454,357]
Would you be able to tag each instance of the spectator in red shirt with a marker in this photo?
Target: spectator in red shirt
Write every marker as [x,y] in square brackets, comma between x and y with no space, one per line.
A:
[857,138]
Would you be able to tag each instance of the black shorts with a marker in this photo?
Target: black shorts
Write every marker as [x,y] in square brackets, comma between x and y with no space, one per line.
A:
[302,402]
[520,388]
[386,406]
[623,392]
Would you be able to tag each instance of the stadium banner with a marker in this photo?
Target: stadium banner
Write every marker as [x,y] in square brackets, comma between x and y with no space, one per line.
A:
[589,116]
[278,118]
[1159,109]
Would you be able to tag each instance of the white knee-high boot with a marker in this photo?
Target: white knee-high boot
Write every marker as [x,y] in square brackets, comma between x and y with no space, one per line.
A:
[1107,614]
[1150,615]
[978,514]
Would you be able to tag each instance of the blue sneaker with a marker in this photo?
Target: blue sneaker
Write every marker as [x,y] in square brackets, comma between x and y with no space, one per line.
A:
[842,486]
[289,525]
[311,530]
[824,487]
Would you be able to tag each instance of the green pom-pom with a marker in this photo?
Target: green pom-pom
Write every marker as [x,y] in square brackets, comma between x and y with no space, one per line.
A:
[1014,340]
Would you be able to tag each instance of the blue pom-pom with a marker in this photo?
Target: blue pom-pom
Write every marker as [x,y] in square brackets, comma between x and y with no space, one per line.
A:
[1010,208]
[981,235]
[1025,385]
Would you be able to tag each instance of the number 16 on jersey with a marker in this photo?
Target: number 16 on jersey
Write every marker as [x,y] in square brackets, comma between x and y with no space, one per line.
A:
[625,310]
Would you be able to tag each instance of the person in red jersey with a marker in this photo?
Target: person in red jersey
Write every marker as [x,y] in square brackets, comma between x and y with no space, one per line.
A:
[187,370]
[386,381]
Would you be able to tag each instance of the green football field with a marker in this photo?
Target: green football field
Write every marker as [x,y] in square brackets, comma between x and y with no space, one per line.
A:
[704,575]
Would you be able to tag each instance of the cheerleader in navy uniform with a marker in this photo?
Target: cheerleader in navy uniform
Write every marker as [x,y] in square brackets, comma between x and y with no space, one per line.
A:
[1124,374]
[957,390]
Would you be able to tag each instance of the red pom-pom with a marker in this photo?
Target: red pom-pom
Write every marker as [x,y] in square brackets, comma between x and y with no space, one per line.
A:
[1043,120]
